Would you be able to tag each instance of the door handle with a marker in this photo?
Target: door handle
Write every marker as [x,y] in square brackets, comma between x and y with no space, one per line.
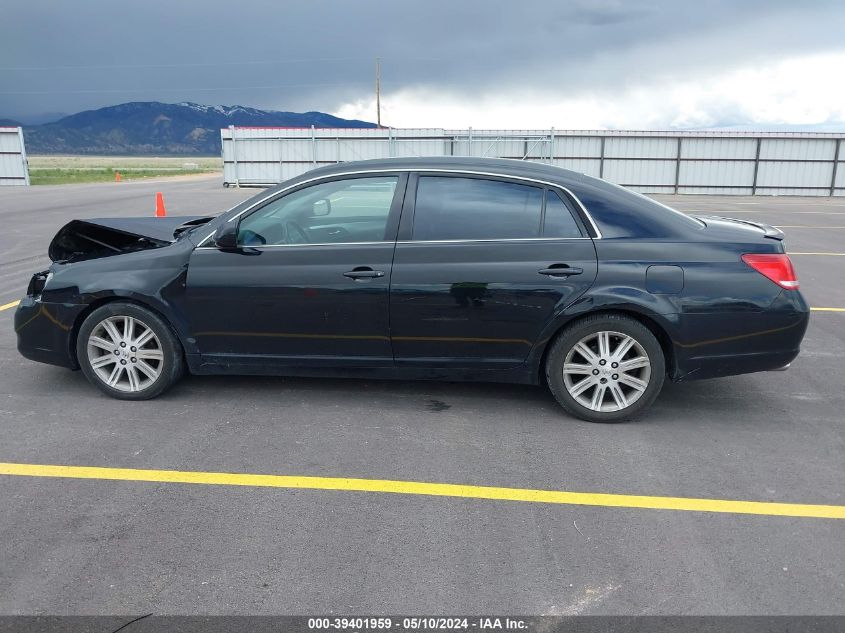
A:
[561,270]
[363,272]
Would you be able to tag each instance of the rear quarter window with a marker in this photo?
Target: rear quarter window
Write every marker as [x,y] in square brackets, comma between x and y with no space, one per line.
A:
[558,220]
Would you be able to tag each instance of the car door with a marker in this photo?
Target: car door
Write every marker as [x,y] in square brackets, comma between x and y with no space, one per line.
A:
[481,266]
[309,281]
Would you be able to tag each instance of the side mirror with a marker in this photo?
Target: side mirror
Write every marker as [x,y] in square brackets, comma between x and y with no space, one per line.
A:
[321,207]
[226,236]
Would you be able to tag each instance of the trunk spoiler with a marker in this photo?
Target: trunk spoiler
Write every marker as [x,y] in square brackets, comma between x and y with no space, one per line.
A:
[769,231]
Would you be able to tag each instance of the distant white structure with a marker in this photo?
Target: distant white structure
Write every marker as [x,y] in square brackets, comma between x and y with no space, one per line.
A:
[727,163]
[14,169]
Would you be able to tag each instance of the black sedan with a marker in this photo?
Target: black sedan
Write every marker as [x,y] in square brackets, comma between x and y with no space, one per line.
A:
[437,268]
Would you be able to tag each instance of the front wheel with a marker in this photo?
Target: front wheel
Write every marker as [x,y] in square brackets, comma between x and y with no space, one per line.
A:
[128,352]
[605,368]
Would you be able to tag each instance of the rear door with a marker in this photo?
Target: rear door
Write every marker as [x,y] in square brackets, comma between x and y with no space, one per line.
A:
[481,265]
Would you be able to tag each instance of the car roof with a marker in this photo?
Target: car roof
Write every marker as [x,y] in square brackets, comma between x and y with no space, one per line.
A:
[506,166]
[613,210]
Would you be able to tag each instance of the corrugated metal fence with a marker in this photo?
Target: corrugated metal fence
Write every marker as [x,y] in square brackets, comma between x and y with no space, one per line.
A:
[738,163]
[13,165]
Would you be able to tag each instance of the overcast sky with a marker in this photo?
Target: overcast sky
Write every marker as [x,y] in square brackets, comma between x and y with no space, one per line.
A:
[642,64]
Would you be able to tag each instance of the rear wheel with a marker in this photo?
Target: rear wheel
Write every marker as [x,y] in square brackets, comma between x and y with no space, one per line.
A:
[128,352]
[605,368]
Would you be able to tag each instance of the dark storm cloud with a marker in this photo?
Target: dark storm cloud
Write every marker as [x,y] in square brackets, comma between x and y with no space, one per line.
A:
[63,57]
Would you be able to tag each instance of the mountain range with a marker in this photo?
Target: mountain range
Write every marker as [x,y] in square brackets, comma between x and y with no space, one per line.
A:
[153,128]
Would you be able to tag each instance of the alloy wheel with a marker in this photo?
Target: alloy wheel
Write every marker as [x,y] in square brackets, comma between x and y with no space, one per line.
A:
[125,353]
[606,371]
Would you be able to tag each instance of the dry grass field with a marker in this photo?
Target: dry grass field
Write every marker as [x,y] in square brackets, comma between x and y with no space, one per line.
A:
[57,170]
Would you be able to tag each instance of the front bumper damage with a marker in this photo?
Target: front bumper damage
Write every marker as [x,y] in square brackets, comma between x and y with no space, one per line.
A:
[45,331]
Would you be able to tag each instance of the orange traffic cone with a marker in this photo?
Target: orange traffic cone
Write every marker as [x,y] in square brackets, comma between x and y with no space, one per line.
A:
[160,210]
[117,176]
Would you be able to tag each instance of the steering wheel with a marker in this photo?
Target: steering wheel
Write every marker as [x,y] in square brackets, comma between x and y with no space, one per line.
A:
[292,227]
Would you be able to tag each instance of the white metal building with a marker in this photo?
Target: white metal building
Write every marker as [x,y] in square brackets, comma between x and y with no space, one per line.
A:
[740,163]
[13,166]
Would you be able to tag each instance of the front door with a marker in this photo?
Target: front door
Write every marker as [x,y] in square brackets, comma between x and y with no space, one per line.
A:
[308,283]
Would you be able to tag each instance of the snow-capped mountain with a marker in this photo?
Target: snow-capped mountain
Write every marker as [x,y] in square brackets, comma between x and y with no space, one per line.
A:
[161,128]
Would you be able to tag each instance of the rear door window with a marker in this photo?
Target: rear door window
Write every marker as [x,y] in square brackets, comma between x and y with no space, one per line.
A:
[453,208]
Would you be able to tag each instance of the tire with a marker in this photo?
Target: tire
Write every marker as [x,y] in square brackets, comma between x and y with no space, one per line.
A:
[110,361]
[639,375]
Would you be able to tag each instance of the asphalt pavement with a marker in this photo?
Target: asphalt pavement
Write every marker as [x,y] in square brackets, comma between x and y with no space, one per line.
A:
[100,546]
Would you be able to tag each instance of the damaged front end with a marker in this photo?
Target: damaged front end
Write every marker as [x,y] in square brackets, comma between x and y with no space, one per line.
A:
[84,271]
[81,240]
[37,283]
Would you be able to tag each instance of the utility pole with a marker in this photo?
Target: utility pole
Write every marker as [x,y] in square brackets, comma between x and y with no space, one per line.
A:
[378,92]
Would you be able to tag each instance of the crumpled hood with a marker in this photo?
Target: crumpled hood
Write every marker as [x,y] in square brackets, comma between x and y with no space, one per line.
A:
[90,239]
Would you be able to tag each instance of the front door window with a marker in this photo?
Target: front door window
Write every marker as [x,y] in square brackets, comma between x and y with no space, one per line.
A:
[336,212]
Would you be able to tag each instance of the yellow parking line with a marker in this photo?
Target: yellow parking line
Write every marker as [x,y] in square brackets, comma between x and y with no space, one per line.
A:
[14,303]
[830,254]
[430,489]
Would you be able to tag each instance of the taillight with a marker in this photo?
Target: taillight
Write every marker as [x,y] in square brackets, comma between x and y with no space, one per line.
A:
[775,266]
